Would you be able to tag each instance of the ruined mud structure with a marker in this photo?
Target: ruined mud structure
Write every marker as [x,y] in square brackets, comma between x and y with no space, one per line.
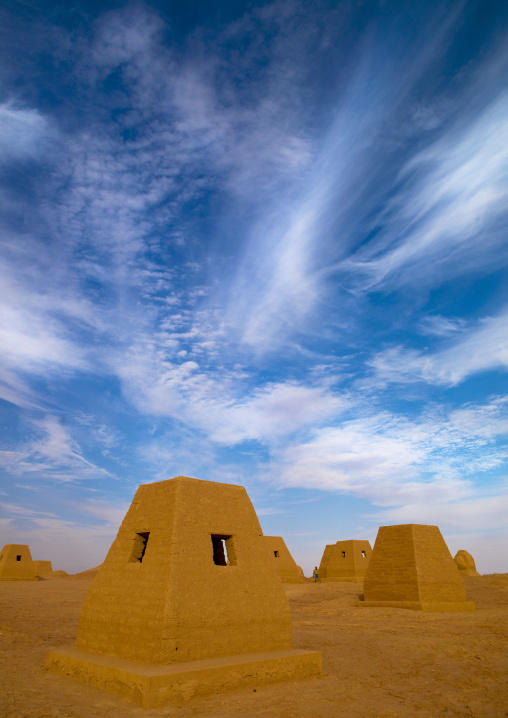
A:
[16,564]
[289,572]
[345,561]
[187,601]
[465,563]
[411,567]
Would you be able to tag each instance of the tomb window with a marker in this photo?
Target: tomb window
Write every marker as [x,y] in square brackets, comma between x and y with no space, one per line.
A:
[364,555]
[18,558]
[223,548]
[276,554]
[139,548]
[343,554]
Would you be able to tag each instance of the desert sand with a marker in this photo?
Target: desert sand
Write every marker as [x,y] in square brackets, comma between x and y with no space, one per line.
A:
[377,662]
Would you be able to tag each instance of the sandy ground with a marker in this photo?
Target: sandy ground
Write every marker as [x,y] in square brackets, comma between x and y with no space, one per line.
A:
[378,663]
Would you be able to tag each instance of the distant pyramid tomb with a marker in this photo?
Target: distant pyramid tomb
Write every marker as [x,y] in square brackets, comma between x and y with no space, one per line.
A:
[16,564]
[286,566]
[345,561]
[411,567]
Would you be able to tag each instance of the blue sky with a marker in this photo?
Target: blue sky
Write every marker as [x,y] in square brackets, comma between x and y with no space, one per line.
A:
[255,242]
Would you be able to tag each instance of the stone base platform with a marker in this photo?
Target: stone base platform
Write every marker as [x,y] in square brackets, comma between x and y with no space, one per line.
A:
[342,579]
[421,606]
[19,578]
[297,579]
[152,686]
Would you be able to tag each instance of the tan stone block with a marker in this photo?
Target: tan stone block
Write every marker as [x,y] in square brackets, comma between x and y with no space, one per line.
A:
[411,567]
[154,686]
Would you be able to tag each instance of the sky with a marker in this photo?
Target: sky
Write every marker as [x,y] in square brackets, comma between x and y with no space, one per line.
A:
[262,243]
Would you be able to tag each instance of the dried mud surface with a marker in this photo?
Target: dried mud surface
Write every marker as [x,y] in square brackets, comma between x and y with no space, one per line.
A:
[378,663]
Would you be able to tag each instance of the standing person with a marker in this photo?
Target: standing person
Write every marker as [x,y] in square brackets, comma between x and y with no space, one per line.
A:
[316,574]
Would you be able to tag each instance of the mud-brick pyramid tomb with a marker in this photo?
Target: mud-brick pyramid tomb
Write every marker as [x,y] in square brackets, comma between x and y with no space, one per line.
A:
[16,564]
[188,601]
[288,571]
[345,561]
[411,567]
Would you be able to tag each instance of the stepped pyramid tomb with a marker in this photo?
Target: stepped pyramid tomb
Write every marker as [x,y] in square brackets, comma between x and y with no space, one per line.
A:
[345,561]
[289,572]
[465,563]
[187,602]
[16,564]
[411,567]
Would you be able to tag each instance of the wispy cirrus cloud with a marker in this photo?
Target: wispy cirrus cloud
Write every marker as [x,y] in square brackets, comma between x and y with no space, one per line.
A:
[409,209]
[440,326]
[51,454]
[450,214]
[482,349]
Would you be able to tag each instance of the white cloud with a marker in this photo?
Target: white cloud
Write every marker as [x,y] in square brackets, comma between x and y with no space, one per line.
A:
[126,38]
[439,326]
[270,511]
[52,454]
[45,321]
[271,412]
[412,466]
[23,132]
[472,513]
[35,342]
[14,390]
[484,348]
[23,511]
[223,406]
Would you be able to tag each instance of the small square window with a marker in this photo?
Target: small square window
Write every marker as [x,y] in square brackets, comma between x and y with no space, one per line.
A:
[18,558]
[139,548]
[223,550]
[276,554]
[364,555]
[343,554]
